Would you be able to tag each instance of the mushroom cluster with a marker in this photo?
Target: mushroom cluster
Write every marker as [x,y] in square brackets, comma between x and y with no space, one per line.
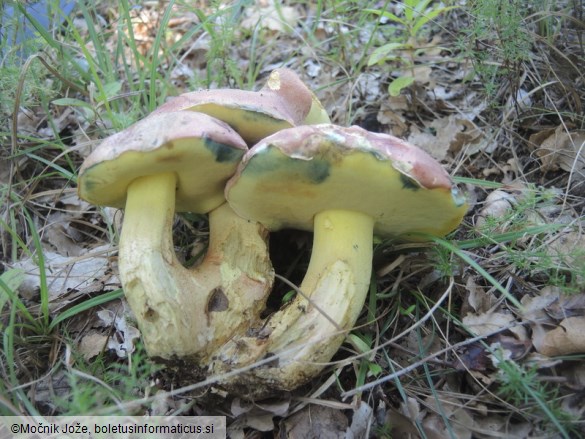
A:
[300,171]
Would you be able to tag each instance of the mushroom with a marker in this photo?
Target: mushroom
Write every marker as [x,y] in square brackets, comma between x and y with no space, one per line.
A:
[235,277]
[283,102]
[173,162]
[345,184]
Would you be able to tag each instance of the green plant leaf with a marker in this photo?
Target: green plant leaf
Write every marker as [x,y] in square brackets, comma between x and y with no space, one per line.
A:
[111,89]
[84,306]
[382,53]
[424,19]
[375,369]
[409,6]
[465,257]
[358,343]
[418,6]
[477,182]
[389,15]
[71,102]
[85,108]
[288,296]
[407,311]
[12,279]
[399,84]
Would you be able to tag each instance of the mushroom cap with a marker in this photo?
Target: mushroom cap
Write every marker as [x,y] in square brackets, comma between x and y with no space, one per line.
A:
[289,177]
[282,103]
[203,153]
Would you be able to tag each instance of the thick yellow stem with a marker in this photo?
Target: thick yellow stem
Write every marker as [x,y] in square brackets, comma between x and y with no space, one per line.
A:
[148,266]
[336,281]
[236,271]
[310,329]
[336,284]
[188,313]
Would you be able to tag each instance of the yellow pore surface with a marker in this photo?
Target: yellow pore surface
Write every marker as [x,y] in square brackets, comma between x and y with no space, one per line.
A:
[253,123]
[201,166]
[280,191]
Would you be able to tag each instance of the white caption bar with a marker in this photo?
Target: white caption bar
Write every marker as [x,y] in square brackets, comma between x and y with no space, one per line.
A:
[114,427]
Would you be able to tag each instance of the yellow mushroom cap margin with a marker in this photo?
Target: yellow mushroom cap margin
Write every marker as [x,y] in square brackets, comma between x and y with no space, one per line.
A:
[289,177]
[203,153]
[284,102]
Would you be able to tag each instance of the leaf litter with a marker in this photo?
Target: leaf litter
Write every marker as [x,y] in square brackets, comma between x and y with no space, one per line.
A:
[444,113]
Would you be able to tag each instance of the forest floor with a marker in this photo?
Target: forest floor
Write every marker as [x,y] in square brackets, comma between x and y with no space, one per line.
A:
[478,335]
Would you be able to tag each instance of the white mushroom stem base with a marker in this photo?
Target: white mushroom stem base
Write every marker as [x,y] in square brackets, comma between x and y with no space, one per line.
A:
[188,313]
[304,335]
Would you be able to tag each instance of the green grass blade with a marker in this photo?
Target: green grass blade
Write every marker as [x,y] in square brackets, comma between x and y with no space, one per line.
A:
[40,257]
[508,236]
[85,305]
[152,99]
[48,38]
[477,182]
[71,176]
[465,257]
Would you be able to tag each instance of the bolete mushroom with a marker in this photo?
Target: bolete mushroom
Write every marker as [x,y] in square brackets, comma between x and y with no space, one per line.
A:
[283,102]
[345,184]
[234,279]
[172,162]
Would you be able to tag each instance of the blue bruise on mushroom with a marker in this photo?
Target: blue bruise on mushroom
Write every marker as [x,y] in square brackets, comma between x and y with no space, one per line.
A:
[89,184]
[409,183]
[254,115]
[458,197]
[317,171]
[223,153]
[314,171]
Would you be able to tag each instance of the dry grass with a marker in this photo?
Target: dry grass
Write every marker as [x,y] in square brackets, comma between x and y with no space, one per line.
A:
[465,337]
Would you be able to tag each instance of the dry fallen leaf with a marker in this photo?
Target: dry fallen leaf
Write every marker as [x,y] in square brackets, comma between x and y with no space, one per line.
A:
[574,372]
[497,205]
[280,19]
[257,415]
[391,113]
[91,345]
[369,87]
[567,306]
[534,306]
[509,348]
[479,298]
[361,421]
[315,422]
[487,323]
[53,387]
[401,426]
[567,338]
[65,274]
[452,133]
[561,149]
[122,339]
[460,421]
[494,426]
[473,357]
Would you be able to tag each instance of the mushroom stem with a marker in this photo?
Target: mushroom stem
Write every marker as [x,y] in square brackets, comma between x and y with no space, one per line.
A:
[308,332]
[150,271]
[238,271]
[336,281]
[189,312]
